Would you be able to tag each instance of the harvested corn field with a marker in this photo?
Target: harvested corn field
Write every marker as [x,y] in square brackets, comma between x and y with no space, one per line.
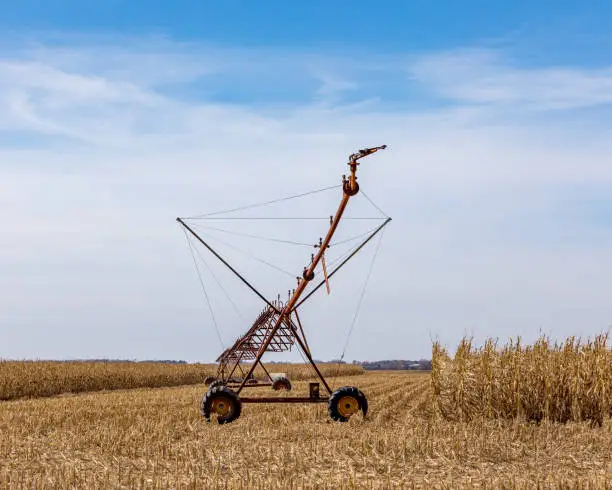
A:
[157,439]
[25,379]
[560,382]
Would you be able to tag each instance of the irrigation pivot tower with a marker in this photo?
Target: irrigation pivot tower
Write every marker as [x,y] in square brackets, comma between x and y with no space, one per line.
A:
[278,328]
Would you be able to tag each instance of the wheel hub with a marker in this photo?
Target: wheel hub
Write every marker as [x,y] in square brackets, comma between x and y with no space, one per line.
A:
[347,406]
[221,406]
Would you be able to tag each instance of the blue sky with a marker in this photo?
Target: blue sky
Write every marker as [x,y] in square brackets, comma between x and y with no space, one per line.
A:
[354,35]
[116,117]
[392,26]
[544,31]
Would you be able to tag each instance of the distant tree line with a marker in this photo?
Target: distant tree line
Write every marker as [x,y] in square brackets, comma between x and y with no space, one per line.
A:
[420,365]
[392,365]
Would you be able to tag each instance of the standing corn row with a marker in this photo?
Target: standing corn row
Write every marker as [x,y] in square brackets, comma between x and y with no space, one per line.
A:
[561,382]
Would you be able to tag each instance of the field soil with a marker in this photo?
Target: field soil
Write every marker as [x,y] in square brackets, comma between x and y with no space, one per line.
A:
[156,438]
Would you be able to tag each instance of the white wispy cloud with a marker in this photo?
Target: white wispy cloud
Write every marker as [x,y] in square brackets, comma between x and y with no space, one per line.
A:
[486,77]
[110,141]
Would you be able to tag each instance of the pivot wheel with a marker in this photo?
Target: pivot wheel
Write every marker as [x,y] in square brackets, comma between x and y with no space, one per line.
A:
[209,379]
[346,402]
[281,384]
[221,402]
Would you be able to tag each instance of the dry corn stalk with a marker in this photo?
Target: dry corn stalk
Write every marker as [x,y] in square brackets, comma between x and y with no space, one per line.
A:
[561,382]
[29,379]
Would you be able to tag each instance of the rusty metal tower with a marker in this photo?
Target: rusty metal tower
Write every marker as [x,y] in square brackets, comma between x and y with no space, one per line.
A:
[278,328]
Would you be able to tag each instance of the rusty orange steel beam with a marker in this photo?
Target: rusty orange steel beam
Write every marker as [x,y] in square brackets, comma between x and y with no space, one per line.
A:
[349,189]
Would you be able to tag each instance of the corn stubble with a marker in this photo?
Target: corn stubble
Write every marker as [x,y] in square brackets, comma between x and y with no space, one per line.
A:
[147,438]
[29,379]
[563,382]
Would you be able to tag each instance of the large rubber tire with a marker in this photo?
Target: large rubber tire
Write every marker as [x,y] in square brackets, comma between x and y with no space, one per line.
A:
[345,402]
[209,379]
[281,384]
[216,382]
[222,402]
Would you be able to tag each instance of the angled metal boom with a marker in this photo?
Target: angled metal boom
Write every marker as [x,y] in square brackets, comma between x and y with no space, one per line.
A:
[375,232]
[228,265]
[350,187]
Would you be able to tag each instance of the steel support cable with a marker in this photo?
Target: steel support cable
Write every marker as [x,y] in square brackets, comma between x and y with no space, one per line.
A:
[362,295]
[312,369]
[279,240]
[250,255]
[331,264]
[231,232]
[346,253]
[356,237]
[374,204]
[265,203]
[288,218]
[212,314]
[345,261]
[220,285]
[342,255]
